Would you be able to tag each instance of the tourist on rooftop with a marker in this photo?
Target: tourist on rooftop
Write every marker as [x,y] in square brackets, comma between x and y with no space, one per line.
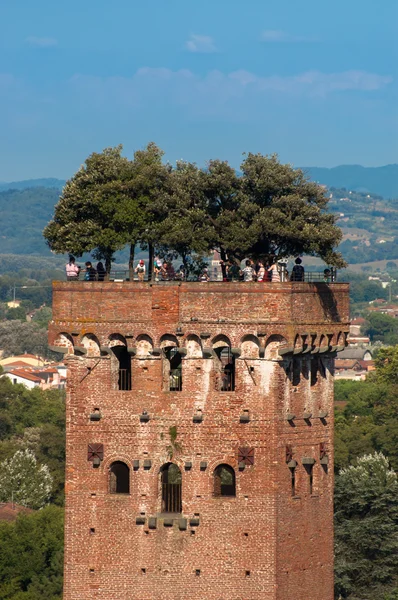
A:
[101,271]
[233,272]
[248,271]
[140,270]
[224,268]
[204,276]
[297,271]
[72,269]
[90,274]
[261,271]
[327,275]
[180,273]
[274,271]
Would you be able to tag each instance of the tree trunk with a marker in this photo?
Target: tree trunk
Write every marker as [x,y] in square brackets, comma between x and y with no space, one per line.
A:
[223,255]
[108,265]
[131,262]
[151,274]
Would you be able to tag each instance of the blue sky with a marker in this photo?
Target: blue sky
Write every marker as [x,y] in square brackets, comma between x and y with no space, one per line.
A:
[315,81]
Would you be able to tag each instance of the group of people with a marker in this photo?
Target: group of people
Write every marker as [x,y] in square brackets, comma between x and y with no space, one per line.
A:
[260,271]
[163,270]
[73,271]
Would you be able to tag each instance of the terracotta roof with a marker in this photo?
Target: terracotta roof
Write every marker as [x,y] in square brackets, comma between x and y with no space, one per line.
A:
[10,511]
[354,353]
[358,321]
[25,374]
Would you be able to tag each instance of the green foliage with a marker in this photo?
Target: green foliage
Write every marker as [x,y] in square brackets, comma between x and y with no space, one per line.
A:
[42,317]
[24,481]
[382,328]
[34,420]
[31,556]
[16,314]
[366,529]
[17,337]
[369,421]
[24,213]
[271,209]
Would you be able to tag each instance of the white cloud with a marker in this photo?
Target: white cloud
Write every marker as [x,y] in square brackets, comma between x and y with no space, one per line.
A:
[276,35]
[223,95]
[41,42]
[201,43]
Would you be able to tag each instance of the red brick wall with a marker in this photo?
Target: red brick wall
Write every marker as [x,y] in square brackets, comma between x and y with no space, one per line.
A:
[262,544]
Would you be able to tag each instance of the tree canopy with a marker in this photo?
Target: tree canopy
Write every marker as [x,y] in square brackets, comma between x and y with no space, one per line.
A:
[366,529]
[270,209]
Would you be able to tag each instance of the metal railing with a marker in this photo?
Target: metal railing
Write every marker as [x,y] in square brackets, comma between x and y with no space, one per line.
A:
[171,497]
[124,381]
[175,380]
[328,275]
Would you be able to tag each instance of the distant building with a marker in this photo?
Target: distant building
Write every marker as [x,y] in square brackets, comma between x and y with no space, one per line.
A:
[9,511]
[354,363]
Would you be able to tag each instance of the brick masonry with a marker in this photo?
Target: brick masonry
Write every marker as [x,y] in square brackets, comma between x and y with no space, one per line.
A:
[269,542]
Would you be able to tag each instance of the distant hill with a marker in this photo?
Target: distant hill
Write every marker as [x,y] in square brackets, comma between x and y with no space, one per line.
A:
[379,180]
[49,182]
[24,213]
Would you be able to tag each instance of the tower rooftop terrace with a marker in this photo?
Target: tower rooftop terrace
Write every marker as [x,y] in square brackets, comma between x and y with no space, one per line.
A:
[297,303]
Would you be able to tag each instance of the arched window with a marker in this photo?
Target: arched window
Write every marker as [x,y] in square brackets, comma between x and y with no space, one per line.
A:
[123,366]
[119,480]
[226,366]
[171,488]
[224,481]
[173,374]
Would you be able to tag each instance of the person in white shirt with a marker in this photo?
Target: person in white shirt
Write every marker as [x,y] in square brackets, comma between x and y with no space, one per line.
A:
[140,270]
[72,270]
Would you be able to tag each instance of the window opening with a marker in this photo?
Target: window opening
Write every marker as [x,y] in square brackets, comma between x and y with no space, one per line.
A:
[124,370]
[293,480]
[226,363]
[314,371]
[171,482]
[310,473]
[119,482]
[224,481]
[174,370]
[296,372]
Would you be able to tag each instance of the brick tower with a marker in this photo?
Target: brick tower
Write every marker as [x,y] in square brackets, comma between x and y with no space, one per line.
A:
[199,438]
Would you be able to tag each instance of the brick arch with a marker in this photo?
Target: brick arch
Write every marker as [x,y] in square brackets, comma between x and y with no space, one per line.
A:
[221,340]
[194,346]
[272,345]
[91,343]
[115,457]
[168,340]
[117,339]
[64,340]
[250,346]
[143,344]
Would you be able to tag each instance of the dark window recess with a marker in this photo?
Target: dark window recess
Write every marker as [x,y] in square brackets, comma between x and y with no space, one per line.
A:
[224,481]
[124,367]
[293,480]
[226,366]
[171,488]
[119,478]
[296,372]
[314,371]
[310,473]
[174,369]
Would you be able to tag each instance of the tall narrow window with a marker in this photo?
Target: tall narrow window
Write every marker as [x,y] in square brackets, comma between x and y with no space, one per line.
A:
[293,480]
[124,367]
[224,481]
[310,473]
[314,371]
[173,371]
[119,478]
[226,366]
[171,482]
[296,372]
